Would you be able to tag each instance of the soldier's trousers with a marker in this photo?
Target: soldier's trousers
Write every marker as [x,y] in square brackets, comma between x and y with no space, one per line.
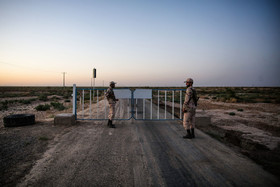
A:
[189,120]
[111,111]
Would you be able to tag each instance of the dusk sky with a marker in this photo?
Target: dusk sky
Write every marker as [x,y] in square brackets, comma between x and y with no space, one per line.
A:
[140,42]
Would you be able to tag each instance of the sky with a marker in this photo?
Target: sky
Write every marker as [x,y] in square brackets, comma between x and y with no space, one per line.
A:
[140,42]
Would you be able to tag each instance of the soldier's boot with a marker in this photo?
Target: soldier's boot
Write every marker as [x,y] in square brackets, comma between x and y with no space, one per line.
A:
[188,135]
[192,132]
[111,124]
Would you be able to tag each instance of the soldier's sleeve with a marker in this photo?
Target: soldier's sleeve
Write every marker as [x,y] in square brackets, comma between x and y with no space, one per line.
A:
[113,96]
[108,93]
[188,96]
[186,99]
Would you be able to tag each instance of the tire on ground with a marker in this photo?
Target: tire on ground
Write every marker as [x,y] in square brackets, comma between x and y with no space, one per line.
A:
[16,120]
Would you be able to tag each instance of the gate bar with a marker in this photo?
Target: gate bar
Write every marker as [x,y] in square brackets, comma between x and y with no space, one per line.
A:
[132,105]
[143,108]
[151,117]
[105,105]
[90,103]
[180,104]
[128,106]
[158,105]
[165,104]
[173,104]
[83,102]
[93,96]
[74,100]
[136,108]
[97,104]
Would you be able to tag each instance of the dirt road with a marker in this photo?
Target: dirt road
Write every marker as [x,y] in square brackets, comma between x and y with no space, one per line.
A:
[141,153]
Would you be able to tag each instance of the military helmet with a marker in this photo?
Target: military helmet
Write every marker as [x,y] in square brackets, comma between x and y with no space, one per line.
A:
[189,80]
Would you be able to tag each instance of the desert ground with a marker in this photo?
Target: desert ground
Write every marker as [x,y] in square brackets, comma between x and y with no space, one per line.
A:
[247,126]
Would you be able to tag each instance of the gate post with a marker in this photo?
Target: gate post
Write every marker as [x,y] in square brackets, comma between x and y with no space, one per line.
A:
[74,95]
[132,104]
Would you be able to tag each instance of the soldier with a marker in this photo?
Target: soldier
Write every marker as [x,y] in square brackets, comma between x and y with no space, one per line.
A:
[112,102]
[189,109]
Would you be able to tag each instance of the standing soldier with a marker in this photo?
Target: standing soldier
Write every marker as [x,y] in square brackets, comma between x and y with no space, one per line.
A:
[189,109]
[112,103]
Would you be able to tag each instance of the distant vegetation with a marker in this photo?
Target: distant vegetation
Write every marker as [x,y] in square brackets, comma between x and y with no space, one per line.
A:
[43,97]
[55,105]
[43,107]
[221,94]
[8,92]
[58,106]
[242,94]
[42,94]
[4,104]
[230,94]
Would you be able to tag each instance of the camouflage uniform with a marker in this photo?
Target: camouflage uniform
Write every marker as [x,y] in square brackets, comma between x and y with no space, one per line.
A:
[112,102]
[189,109]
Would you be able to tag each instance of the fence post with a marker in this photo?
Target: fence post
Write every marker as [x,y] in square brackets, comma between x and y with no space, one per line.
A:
[180,104]
[144,108]
[105,104]
[74,98]
[165,104]
[173,104]
[133,105]
[97,104]
[83,103]
[136,108]
[90,102]
[158,105]
[151,117]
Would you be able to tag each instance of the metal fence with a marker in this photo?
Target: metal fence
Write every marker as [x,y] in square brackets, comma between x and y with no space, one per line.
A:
[139,104]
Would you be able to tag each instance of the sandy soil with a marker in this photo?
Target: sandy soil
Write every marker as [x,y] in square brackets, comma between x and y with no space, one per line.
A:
[255,131]
[40,116]
[258,122]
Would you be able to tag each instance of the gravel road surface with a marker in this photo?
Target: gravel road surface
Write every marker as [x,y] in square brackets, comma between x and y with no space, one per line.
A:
[141,153]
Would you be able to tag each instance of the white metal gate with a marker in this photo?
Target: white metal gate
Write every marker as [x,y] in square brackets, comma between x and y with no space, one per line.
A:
[139,104]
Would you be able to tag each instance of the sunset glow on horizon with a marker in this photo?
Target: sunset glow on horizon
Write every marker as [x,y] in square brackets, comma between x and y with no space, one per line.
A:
[140,43]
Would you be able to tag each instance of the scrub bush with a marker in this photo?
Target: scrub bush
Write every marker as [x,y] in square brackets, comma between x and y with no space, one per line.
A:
[58,106]
[43,107]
